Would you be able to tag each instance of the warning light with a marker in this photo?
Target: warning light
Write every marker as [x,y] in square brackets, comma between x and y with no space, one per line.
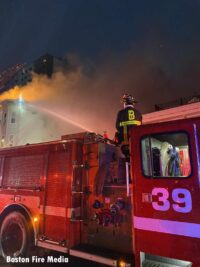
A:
[121,263]
[35,219]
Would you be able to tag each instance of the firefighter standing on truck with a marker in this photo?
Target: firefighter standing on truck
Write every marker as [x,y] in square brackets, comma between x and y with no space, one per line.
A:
[126,119]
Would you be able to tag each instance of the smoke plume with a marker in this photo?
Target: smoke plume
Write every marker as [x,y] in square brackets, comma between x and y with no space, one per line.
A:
[90,96]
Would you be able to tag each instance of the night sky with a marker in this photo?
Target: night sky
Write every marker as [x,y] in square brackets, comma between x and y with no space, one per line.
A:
[149,48]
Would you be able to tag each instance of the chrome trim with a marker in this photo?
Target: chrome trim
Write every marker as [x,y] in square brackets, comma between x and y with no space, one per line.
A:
[93,257]
[197,150]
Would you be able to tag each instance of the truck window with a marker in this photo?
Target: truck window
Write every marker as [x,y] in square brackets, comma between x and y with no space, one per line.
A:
[166,155]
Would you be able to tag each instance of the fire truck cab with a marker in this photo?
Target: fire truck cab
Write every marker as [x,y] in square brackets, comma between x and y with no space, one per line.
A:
[165,167]
[77,196]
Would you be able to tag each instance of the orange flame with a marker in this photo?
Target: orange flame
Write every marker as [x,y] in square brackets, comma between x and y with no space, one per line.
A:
[12,94]
[36,90]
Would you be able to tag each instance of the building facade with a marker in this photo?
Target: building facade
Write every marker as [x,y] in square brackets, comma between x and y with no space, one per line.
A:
[22,123]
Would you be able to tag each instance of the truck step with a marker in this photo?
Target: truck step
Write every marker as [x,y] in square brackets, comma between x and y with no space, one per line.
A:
[151,263]
[149,260]
[52,246]
[100,255]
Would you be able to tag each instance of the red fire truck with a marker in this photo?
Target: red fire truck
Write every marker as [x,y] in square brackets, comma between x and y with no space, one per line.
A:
[76,196]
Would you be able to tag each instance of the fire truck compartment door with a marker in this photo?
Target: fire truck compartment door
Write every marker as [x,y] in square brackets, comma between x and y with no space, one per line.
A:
[59,196]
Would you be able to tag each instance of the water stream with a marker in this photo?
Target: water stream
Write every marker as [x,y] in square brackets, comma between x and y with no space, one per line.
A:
[58,116]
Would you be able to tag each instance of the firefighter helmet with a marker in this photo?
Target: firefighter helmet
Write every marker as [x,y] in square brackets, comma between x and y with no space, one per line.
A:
[128,99]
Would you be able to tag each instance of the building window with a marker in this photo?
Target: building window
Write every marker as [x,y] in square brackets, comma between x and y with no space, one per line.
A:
[13,117]
[4,118]
[166,155]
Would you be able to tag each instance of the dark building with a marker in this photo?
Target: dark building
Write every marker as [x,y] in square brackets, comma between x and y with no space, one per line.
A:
[44,65]
[7,76]
[48,64]
[21,74]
